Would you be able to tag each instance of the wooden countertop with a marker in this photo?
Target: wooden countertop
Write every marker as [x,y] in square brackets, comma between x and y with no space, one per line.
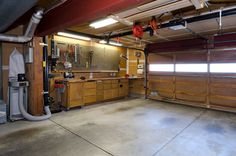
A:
[135,78]
[93,79]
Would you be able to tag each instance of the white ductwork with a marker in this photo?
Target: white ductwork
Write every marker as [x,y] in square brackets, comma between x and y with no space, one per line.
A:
[29,33]
[27,115]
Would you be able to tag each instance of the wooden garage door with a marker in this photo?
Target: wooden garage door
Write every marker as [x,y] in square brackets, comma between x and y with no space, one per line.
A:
[192,80]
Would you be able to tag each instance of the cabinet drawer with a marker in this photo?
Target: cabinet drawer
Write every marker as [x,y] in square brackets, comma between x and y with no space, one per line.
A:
[106,81]
[124,80]
[88,92]
[90,99]
[107,86]
[99,86]
[114,81]
[115,85]
[88,85]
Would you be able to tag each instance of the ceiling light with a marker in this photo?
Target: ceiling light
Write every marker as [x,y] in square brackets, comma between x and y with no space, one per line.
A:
[103,23]
[74,36]
[102,42]
[178,25]
[115,43]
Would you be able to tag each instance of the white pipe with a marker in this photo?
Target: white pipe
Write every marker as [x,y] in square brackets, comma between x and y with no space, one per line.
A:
[29,33]
[27,115]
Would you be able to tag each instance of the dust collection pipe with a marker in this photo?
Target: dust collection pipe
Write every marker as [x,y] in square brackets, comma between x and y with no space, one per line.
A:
[45,95]
[29,33]
[27,115]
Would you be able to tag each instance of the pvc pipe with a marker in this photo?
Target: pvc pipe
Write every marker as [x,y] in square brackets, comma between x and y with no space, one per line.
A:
[27,115]
[29,33]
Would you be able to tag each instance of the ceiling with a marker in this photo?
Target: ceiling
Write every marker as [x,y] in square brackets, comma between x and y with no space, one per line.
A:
[14,13]
[202,28]
[75,16]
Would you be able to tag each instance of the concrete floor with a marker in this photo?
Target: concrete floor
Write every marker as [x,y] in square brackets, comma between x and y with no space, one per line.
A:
[133,127]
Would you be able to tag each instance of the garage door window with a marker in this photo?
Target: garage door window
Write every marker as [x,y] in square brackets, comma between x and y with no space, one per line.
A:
[199,68]
[223,67]
[161,67]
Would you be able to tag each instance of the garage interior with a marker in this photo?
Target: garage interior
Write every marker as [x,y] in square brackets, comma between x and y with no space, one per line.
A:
[116,77]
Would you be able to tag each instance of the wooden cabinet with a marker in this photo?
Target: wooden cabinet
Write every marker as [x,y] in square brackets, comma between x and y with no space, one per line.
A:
[90,92]
[73,95]
[100,93]
[80,93]
[136,87]
[111,89]
[123,88]
[107,89]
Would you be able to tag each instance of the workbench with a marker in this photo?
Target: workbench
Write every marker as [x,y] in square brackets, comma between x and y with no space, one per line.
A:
[85,92]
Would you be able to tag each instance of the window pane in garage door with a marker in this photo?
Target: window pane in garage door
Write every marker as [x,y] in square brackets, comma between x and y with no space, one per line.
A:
[223,67]
[202,68]
[161,67]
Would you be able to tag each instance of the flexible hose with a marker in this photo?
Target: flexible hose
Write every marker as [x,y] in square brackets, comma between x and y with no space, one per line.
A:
[27,115]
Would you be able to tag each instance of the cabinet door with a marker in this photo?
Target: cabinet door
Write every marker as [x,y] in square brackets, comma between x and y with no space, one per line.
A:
[115,93]
[107,94]
[75,94]
[123,89]
[90,99]
[99,92]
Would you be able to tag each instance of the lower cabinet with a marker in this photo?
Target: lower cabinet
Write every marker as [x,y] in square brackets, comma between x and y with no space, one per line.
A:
[123,88]
[85,93]
[90,92]
[73,95]
[100,93]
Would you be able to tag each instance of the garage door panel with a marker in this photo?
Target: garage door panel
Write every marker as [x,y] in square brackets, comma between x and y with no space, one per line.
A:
[194,89]
[190,97]
[224,101]
[166,94]
[222,91]
[155,59]
[161,86]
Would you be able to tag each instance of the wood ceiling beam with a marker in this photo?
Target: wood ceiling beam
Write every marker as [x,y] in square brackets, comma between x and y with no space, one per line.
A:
[75,12]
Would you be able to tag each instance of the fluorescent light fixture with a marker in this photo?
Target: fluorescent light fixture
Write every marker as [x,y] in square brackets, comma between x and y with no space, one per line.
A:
[179,26]
[74,36]
[115,43]
[161,67]
[103,23]
[102,41]
[110,42]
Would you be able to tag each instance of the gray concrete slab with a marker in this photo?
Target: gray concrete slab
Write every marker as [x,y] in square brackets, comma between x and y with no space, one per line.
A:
[134,127]
[45,138]
[213,134]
